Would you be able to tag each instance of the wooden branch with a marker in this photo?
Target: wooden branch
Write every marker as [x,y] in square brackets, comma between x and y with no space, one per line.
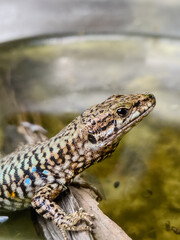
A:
[104,228]
[51,232]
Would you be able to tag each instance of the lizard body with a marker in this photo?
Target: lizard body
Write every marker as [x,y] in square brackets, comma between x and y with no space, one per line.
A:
[36,175]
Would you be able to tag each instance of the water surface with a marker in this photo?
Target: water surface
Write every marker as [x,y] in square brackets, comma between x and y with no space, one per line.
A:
[49,81]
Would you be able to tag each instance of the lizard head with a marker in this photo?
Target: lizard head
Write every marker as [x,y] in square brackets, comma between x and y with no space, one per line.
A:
[106,123]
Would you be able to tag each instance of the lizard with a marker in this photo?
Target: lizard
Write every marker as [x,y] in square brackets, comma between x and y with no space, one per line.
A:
[36,175]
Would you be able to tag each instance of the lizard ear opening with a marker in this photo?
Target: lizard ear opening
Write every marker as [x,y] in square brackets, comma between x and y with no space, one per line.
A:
[92,139]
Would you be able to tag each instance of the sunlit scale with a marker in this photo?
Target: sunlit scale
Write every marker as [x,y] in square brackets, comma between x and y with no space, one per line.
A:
[135,115]
[33,160]
[38,174]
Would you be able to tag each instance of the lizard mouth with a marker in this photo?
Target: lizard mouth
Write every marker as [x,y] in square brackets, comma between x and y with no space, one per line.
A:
[138,119]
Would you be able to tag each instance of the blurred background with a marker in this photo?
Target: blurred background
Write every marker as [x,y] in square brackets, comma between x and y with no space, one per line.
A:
[59,57]
[21,19]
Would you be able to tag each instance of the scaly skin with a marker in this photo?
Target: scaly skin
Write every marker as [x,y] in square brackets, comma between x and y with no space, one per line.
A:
[36,175]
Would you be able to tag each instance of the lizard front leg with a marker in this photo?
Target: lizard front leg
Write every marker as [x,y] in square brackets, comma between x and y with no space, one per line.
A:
[43,203]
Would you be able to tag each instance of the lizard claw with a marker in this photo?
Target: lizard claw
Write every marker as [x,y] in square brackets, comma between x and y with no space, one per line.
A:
[71,222]
[86,216]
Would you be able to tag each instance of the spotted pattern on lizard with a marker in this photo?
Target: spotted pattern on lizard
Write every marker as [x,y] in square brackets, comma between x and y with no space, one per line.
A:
[36,175]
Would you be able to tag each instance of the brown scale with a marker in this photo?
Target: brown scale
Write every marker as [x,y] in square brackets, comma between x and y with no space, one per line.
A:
[36,175]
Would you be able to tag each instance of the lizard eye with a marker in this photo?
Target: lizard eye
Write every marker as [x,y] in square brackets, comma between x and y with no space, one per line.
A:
[122,112]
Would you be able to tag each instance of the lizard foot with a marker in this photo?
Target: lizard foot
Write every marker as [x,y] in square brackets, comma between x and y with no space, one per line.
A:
[69,222]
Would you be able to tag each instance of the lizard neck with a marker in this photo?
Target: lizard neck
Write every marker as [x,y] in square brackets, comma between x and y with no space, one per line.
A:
[70,153]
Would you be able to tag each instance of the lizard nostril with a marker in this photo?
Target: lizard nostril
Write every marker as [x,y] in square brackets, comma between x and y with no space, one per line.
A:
[150,95]
[137,104]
